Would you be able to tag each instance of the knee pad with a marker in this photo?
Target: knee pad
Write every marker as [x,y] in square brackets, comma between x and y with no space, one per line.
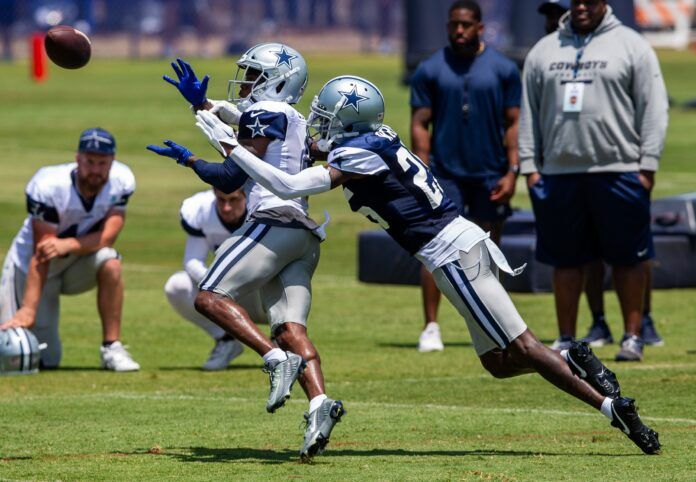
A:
[178,284]
[105,254]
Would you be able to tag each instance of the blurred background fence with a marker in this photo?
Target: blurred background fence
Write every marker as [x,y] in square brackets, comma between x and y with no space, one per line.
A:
[210,28]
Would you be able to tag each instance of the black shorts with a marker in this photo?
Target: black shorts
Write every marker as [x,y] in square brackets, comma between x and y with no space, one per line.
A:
[472,198]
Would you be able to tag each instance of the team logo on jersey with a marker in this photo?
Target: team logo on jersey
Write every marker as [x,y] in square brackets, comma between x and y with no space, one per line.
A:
[257,128]
[284,57]
[352,99]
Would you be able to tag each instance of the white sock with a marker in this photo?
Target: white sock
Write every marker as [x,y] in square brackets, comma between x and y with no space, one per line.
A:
[564,354]
[606,408]
[316,402]
[275,355]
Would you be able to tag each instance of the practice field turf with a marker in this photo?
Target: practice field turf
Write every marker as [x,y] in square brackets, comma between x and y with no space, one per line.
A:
[410,416]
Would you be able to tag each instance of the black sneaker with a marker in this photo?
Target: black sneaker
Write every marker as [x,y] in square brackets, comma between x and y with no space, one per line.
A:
[599,334]
[648,332]
[631,349]
[626,419]
[587,366]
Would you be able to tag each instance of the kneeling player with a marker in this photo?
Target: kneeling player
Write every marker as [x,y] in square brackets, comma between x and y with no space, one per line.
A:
[388,184]
[209,218]
[65,246]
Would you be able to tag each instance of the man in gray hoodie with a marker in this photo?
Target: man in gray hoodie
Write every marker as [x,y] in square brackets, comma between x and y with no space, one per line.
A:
[592,127]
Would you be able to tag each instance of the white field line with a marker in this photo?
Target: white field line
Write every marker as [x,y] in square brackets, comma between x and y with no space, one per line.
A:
[161,396]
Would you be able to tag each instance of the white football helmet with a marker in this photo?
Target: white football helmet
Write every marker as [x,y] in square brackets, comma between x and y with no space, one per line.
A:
[346,106]
[282,75]
[19,352]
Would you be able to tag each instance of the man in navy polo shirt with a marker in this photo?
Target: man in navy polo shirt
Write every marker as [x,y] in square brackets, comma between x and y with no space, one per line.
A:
[470,94]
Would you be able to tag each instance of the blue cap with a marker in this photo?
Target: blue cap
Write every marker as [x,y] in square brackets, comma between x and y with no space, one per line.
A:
[98,140]
[543,6]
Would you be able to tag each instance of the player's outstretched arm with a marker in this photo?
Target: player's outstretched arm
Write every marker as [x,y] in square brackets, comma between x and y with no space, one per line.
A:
[226,176]
[192,89]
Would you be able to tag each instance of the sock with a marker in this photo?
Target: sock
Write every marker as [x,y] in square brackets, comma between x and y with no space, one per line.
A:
[598,317]
[606,408]
[316,402]
[564,354]
[106,344]
[275,355]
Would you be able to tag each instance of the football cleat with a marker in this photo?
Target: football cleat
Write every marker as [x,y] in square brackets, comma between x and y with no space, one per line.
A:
[282,376]
[562,343]
[587,366]
[625,418]
[599,334]
[116,357]
[430,339]
[648,332]
[224,351]
[319,425]
[631,349]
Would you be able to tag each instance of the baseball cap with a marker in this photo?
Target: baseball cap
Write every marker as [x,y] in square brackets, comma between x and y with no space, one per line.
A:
[96,139]
[544,6]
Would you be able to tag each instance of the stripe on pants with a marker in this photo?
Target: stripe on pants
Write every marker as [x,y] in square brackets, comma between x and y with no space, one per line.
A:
[478,310]
[234,253]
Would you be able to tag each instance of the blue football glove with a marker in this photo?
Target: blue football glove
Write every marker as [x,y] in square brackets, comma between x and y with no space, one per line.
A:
[174,150]
[190,87]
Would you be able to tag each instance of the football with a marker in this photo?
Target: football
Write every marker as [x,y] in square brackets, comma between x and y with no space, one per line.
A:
[67,47]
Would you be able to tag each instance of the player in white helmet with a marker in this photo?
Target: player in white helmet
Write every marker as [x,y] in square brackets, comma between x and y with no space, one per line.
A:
[277,249]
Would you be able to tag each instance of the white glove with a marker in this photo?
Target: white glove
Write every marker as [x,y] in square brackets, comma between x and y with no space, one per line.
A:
[220,135]
[226,111]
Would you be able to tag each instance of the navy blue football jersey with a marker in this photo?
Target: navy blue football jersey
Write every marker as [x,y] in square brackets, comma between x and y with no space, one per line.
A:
[399,192]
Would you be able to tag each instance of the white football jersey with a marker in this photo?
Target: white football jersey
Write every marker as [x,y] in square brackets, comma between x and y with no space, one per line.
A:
[288,130]
[200,218]
[53,198]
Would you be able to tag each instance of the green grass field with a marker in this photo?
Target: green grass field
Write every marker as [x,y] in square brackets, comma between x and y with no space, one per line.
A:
[410,416]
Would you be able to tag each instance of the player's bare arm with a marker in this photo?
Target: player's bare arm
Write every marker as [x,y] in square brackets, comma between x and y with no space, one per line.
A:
[54,247]
[505,188]
[421,117]
[36,278]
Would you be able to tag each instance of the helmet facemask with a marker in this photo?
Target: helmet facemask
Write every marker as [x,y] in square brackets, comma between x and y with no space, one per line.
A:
[324,126]
[267,85]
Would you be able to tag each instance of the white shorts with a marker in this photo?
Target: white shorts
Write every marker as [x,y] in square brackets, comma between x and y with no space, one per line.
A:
[67,276]
[471,284]
[277,261]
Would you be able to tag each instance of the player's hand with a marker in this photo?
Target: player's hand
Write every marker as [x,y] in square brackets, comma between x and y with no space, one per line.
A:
[51,248]
[220,135]
[24,318]
[179,153]
[190,87]
[647,179]
[226,111]
[532,179]
[504,189]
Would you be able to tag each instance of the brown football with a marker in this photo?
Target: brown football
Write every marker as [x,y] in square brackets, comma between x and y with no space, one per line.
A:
[67,47]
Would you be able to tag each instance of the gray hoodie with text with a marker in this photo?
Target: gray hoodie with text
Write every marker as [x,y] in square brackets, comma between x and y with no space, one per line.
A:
[623,121]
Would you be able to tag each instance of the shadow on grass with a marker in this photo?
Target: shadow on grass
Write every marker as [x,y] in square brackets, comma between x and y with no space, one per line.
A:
[199,369]
[266,456]
[414,346]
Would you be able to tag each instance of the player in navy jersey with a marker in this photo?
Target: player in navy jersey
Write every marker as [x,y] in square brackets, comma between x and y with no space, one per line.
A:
[277,250]
[384,181]
[65,246]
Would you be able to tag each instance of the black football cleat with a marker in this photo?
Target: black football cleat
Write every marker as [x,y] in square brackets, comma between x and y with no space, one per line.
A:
[587,366]
[626,419]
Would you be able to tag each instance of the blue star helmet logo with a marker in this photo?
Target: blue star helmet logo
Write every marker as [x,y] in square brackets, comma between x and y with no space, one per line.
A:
[352,99]
[284,57]
[257,128]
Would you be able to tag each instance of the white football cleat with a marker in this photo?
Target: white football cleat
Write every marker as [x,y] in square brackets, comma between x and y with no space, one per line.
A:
[430,339]
[223,353]
[115,357]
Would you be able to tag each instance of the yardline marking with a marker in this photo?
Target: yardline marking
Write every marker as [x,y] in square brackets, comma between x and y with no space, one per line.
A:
[160,396]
